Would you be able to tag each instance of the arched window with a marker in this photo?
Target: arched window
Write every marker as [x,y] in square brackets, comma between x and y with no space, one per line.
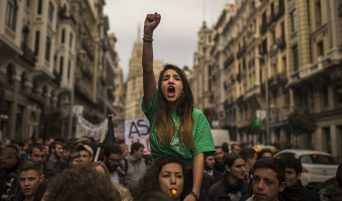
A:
[11,14]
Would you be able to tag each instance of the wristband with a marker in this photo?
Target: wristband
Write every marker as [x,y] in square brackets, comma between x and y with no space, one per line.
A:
[194,195]
[147,39]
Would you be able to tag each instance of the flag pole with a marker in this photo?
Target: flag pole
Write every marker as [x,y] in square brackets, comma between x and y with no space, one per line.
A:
[107,137]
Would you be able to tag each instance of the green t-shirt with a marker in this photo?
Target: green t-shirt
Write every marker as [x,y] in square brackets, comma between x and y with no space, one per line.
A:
[201,133]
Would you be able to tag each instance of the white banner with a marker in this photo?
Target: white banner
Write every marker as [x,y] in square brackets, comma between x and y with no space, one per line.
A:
[137,130]
[85,128]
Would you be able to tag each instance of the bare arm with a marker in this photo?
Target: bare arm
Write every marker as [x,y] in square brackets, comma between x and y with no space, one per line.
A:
[198,168]
[149,82]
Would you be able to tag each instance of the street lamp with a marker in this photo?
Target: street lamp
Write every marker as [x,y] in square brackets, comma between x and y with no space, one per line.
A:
[267,137]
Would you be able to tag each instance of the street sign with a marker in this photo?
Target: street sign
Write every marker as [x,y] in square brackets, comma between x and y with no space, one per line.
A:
[261,114]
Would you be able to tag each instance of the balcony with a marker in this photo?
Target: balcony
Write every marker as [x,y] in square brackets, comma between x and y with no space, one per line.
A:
[253,91]
[85,69]
[28,54]
[62,14]
[89,51]
[57,78]
[263,28]
[281,43]
[241,51]
[279,115]
[228,62]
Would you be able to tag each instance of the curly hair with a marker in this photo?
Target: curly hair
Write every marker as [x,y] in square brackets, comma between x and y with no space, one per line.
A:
[149,182]
[81,183]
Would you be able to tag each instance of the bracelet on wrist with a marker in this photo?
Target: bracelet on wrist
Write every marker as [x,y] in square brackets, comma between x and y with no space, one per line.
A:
[194,195]
[148,39]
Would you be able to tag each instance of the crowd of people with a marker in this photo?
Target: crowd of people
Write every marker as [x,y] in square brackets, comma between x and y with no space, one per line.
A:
[56,171]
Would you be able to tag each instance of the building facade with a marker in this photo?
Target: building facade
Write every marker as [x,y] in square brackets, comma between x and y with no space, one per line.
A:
[272,61]
[134,83]
[52,58]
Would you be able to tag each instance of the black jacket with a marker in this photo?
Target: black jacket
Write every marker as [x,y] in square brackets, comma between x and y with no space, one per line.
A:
[224,191]
[298,193]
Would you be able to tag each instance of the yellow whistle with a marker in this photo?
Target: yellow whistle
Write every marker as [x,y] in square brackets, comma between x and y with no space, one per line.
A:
[173,192]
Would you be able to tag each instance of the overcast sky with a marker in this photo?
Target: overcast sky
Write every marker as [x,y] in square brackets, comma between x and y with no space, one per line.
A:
[175,39]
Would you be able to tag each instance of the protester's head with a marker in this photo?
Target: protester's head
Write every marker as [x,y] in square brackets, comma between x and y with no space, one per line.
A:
[83,140]
[137,150]
[174,87]
[36,153]
[100,167]
[56,148]
[74,159]
[174,93]
[85,154]
[235,166]
[209,161]
[9,157]
[124,149]
[250,156]
[66,153]
[268,179]
[235,148]
[81,183]
[30,177]
[219,155]
[163,175]
[265,153]
[46,149]
[112,157]
[225,148]
[293,170]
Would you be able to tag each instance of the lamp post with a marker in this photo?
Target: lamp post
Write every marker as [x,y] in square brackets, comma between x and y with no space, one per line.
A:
[267,137]
[72,100]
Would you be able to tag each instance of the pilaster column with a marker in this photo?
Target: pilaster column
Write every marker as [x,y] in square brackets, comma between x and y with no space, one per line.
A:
[47,96]
[334,142]
[332,10]
[303,34]
[14,107]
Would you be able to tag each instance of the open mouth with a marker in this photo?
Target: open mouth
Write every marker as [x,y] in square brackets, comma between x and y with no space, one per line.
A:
[171,91]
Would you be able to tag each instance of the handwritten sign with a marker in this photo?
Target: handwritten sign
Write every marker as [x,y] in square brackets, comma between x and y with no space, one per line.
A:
[137,130]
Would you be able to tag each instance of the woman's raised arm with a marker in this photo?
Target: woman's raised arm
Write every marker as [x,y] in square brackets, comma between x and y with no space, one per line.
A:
[149,82]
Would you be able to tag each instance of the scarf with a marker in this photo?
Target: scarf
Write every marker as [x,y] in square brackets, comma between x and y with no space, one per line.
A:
[293,193]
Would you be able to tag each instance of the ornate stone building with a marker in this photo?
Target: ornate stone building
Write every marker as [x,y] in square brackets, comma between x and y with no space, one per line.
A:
[275,57]
[203,93]
[52,55]
[315,57]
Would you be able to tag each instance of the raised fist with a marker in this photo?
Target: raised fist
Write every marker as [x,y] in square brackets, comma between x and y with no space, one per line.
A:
[151,22]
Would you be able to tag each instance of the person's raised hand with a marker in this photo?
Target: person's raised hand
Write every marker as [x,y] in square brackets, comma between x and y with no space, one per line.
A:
[151,22]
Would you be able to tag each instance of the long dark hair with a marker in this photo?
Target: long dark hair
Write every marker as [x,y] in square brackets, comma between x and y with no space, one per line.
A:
[163,123]
[150,181]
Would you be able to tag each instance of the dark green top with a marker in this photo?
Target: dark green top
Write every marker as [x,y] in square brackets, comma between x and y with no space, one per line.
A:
[201,132]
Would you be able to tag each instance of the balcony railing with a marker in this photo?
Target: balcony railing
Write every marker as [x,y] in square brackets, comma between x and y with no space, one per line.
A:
[228,62]
[281,43]
[57,78]
[263,28]
[241,51]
